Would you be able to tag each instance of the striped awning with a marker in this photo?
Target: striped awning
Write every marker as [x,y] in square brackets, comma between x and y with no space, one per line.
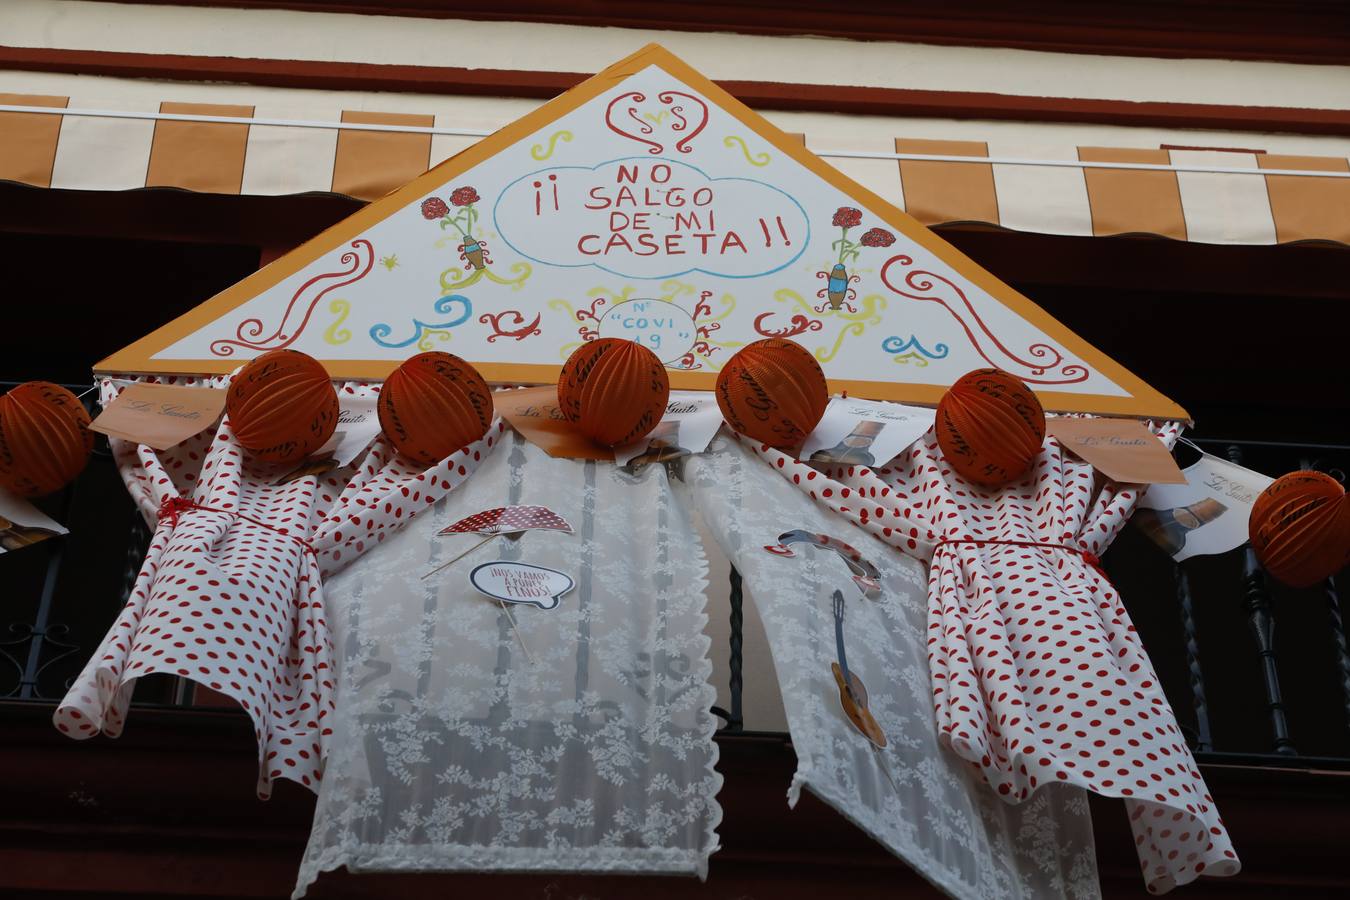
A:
[1202,195]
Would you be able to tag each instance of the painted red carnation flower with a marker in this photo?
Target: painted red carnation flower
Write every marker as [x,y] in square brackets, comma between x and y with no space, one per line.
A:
[464,196]
[847,217]
[878,237]
[434,208]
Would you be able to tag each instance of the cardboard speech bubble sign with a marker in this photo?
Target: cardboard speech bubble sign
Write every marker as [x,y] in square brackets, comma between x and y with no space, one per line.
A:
[516,582]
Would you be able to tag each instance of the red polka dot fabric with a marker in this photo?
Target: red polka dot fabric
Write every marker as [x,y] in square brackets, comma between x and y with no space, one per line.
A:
[509,520]
[1038,675]
[232,596]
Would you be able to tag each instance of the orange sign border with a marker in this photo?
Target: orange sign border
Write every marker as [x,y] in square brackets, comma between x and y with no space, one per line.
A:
[1143,401]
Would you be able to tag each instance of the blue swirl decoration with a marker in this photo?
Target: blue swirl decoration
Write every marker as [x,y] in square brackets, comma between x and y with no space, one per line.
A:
[915,350]
[380,332]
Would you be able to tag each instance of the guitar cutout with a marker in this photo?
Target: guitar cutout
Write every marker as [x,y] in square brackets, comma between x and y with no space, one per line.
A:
[852,692]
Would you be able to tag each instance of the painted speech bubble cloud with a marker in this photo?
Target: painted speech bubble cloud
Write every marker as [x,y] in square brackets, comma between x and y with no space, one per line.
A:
[516,582]
[651,218]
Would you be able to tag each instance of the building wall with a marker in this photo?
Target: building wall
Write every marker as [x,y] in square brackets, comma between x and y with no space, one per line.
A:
[281,34]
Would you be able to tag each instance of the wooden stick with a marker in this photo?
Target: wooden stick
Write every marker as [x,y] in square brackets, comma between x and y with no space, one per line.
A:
[461,556]
[506,609]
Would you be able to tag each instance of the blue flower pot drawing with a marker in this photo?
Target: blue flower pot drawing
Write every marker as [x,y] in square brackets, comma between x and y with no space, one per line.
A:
[473,252]
[838,286]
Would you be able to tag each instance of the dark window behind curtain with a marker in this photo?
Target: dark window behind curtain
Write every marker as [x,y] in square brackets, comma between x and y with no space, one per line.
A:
[68,302]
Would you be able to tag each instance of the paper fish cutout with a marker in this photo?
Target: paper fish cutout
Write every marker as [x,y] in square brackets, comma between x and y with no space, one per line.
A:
[865,575]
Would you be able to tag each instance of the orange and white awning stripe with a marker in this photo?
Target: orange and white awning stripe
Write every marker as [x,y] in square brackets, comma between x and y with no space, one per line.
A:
[1207,196]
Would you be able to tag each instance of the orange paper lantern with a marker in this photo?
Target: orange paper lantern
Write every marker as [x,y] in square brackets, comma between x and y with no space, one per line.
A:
[1300,528]
[44,438]
[614,391]
[434,404]
[774,392]
[282,406]
[990,427]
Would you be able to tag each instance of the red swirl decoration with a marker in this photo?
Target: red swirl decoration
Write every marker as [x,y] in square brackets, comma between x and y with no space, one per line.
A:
[799,324]
[668,98]
[584,314]
[520,333]
[358,262]
[687,126]
[1044,358]
[590,332]
[644,128]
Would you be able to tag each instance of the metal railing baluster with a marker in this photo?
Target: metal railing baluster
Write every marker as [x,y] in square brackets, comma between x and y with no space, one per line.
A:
[1261,620]
[1203,742]
[1338,641]
[737,642]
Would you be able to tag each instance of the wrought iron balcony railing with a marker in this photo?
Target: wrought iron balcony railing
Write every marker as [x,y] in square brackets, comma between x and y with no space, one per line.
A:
[1208,623]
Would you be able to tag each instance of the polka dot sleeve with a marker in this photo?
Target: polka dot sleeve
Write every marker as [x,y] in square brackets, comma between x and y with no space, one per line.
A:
[231,591]
[1037,673]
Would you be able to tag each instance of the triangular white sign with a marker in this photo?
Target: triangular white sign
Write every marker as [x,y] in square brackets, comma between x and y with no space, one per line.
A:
[647,204]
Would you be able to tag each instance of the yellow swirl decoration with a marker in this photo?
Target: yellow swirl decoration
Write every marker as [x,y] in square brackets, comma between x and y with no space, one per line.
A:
[563,307]
[759,159]
[824,355]
[449,286]
[787,295]
[675,288]
[728,303]
[756,159]
[335,335]
[616,297]
[425,343]
[905,359]
[567,349]
[540,153]
[870,313]
[521,269]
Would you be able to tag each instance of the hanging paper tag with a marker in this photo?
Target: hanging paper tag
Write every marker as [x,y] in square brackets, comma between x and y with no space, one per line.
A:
[690,421]
[865,432]
[1123,450]
[516,582]
[535,414]
[22,523]
[160,415]
[358,423]
[1206,515]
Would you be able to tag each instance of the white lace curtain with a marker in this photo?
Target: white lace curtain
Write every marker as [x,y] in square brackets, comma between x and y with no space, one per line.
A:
[582,743]
[454,750]
[916,797]
[231,591]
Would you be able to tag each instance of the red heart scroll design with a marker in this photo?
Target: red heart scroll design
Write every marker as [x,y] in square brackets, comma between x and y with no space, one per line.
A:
[623,117]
